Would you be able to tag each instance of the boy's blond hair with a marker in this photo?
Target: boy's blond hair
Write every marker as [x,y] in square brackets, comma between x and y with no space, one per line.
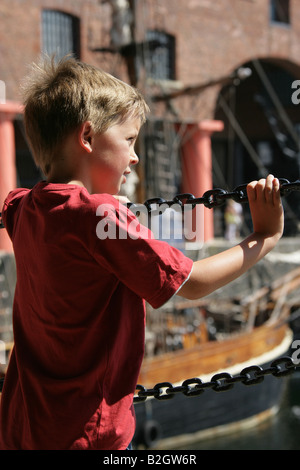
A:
[59,97]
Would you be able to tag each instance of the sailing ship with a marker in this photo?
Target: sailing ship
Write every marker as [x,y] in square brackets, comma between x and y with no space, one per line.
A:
[199,339]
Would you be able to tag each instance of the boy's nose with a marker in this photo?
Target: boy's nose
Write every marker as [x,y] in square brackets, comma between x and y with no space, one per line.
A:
[134,159]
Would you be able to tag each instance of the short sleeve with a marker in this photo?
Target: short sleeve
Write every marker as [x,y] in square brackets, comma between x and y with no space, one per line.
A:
[10,207]
[151,268]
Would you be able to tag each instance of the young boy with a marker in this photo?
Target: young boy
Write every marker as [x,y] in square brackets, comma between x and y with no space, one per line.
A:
[79,311]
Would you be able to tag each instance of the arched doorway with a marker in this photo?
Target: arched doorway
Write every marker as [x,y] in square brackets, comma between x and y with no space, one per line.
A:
[261,129]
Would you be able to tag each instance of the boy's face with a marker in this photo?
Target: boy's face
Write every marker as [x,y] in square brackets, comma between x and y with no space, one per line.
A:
[112,156]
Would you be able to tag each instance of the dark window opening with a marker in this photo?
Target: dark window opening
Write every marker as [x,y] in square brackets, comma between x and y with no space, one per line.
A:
[280,11]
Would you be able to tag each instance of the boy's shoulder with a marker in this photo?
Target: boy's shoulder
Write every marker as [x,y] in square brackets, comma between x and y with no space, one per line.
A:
[67,197]
[15,195]
[59,203]
[53,193]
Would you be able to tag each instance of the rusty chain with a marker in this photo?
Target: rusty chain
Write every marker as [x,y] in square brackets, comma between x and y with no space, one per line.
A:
[221,382]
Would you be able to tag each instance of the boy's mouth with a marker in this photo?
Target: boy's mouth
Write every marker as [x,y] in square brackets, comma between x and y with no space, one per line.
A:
[125,174]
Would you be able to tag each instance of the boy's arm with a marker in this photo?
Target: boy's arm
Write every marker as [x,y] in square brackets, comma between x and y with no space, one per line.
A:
[267,216]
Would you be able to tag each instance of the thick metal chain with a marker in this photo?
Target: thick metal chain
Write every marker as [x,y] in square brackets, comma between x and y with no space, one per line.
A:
[214,197]
[221,382]
[224,381]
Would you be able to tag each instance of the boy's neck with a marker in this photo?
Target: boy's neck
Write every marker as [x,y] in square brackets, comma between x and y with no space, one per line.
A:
[71,164]
[64,181]
[79,183]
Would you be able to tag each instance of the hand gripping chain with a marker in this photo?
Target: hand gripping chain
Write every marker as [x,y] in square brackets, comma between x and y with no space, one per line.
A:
[214,197]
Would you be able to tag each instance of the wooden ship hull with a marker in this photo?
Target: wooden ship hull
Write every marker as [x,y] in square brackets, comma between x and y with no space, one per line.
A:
[181,420]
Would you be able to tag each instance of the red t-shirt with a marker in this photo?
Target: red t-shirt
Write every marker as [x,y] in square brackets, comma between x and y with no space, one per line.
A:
[79,317]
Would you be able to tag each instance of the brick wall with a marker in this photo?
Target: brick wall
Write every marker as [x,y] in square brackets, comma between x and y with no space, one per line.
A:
[20,35]
[212,39]
[216,37]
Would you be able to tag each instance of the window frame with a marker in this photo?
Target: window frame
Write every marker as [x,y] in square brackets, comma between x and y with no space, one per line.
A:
[60,29]
[166,69]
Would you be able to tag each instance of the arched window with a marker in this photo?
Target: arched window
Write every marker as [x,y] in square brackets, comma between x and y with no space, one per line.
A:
[60,34]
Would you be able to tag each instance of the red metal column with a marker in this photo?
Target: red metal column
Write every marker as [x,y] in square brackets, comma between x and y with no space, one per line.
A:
[8,178]
[197,165]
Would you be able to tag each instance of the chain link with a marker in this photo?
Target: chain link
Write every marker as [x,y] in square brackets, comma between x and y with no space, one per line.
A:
[221,382]
[214,197]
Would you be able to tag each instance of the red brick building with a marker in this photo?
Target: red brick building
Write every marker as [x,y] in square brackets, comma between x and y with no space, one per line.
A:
[219,72]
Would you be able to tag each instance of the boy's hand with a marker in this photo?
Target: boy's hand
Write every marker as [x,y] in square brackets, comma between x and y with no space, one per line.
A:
[211,273]
[266,208]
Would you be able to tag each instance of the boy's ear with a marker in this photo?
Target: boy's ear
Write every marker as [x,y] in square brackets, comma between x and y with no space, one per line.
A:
[85,136]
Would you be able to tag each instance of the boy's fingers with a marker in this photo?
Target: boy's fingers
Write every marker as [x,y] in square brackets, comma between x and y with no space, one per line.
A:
[276,190]
[251,191]
[260,189]
[269,188]
[256,189]
[263,189]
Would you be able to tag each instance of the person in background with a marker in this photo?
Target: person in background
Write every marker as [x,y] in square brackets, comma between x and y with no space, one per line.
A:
[233,220]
